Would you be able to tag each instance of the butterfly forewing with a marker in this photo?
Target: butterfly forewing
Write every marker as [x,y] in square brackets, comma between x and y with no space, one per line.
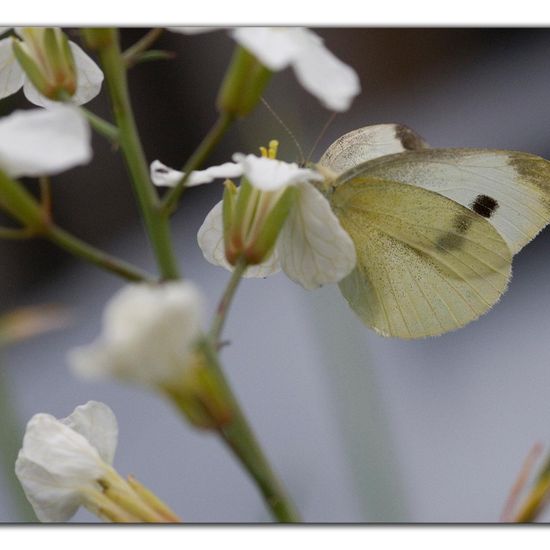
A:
[425,264]
[369,143]
[510,189]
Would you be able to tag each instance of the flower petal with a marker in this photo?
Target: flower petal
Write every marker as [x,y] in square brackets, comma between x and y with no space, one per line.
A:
[320,72]
[275,47]
[11,74]
[164,176]
[210,239]
[97,423]
[89,76]
[313,247]
[44,142]
[272,175]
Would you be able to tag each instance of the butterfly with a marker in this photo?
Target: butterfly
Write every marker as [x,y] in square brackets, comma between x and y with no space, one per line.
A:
[435,230]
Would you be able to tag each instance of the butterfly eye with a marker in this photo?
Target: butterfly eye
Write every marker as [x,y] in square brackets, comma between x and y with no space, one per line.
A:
[484,205]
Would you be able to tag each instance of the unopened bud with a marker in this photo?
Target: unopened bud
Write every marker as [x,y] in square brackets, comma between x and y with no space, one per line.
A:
[243,85]
[98,37]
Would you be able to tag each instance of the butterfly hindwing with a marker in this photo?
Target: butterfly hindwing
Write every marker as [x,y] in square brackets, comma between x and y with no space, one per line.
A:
[510,189]
[425,264]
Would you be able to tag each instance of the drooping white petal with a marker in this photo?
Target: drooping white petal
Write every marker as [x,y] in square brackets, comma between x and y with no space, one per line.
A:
[164,176]
[275,47]
[89,80]
[193,30]
[210,239]
[51,502]
[320,72]
[54,465]
[44,142]
[271,175]
[97,423]
[313,247]
[147,336]
[11,74]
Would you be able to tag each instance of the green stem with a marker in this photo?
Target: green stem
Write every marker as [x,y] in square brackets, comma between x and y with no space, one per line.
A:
[157,225]
[95,256]
[203,151]
[101,126]
[225,302]
[16,200]
[240,438]
[10,443]
[132,55]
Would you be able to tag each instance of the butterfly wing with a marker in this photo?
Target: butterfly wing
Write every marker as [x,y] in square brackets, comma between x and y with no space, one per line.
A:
[425,264]
[369,143]
[510,189]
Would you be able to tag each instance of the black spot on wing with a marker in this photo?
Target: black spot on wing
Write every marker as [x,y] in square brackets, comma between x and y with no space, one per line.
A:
[409,139]
[484,205]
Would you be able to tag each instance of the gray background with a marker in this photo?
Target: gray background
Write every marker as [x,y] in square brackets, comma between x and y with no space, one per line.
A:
[360,428]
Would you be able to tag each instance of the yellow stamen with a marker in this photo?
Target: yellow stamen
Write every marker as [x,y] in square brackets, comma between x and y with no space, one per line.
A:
[273,148]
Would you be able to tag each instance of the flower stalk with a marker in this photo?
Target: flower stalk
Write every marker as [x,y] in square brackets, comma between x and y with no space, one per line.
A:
[203,151]
[157,225]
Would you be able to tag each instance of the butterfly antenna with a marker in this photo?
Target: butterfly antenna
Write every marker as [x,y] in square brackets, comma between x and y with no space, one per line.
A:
[287,129]
[320,136]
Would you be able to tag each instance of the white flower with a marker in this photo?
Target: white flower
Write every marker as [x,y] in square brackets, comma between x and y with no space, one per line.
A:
[317,69]
[312,249]
[13,78]
[62,460]
[147,336]
[44,142]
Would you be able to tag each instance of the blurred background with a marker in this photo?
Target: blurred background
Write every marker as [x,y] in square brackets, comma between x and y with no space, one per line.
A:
[360,428]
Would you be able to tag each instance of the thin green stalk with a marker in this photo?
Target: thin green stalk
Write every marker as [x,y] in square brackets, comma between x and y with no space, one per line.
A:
[157,225]
[203,151]
[240,438]
[95,256]
[16,200]
[225,302]
[133,53]
[101,126]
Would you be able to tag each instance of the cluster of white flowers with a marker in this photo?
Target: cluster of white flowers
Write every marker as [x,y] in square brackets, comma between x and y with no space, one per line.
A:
[149,331]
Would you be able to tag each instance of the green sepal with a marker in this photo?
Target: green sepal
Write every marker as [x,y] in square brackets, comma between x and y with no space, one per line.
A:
[267,237]
[201,396]
[31,69]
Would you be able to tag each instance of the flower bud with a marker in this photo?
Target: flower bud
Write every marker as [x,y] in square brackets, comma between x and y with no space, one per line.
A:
[98,37]
[243,85]
[46,58]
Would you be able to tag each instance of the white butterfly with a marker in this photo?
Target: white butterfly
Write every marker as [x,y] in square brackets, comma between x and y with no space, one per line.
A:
[434,229]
